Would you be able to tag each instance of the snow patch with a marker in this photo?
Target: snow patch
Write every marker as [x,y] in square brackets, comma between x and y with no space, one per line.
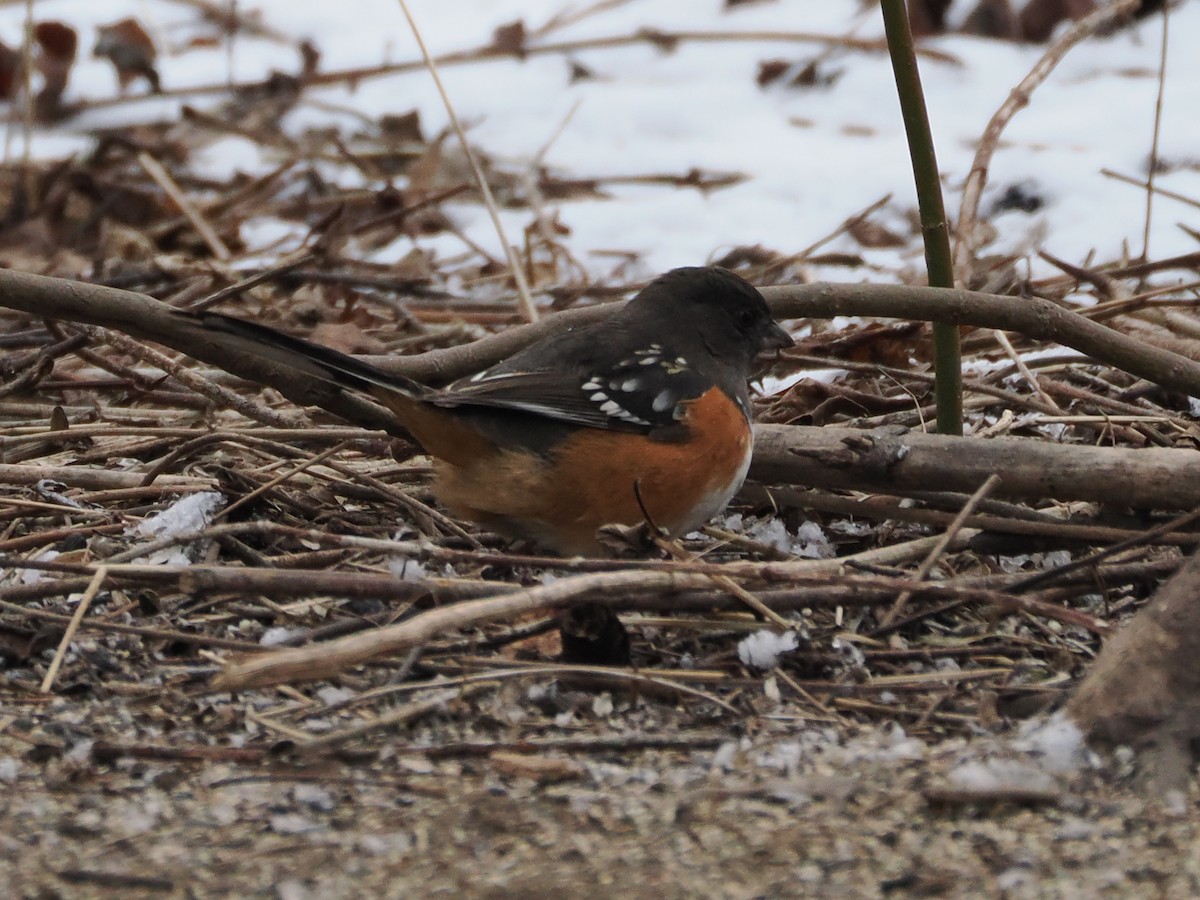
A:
[762,649]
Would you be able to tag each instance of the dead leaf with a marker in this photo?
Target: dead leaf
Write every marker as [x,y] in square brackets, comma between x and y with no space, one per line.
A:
[348,337]
[131,51]
[794,75]
[1039,18]
[402,127]
[927,17]
[580,72]
[542,769]
[993,19]
[10,72]
[873,235]
[510,39]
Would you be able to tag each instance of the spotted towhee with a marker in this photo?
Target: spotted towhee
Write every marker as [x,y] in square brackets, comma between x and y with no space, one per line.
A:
[646,414]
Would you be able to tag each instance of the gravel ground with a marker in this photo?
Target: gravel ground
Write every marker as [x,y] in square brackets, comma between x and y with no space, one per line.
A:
[783,810]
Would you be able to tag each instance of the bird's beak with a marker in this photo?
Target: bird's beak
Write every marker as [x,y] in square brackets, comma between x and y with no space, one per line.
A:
[776,338]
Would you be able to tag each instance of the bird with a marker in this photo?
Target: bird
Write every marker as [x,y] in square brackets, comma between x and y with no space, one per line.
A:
[644,416]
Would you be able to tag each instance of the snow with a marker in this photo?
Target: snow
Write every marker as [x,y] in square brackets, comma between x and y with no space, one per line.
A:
[1056,741]
[999,774]
[278,636]
[812,156]
[187,515]
[762,649]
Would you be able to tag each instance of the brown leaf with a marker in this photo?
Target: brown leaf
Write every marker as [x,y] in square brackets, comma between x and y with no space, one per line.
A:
[510,39]
[993,19]
[10,71]
[756,255]
[808,75]
[347,337]
[927,17]
[131,51]
[770,71]
[56,45]
[580,72]
[664,42]
[872,234]
[542,769]
[1039,18]
[56,40]
[403,127]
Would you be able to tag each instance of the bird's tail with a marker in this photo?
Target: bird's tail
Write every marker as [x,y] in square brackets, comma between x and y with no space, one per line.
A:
[312,359]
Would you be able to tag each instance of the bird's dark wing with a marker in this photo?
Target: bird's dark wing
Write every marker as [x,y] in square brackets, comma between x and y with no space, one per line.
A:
[641,393]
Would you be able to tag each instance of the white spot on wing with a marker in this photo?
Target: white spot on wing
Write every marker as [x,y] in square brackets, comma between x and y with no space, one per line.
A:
[631,384]
[663,401]
[650,361]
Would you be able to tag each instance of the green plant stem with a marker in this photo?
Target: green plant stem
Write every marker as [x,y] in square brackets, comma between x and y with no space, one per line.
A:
[935,229]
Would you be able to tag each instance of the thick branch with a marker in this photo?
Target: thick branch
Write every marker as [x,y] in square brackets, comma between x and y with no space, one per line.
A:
[1144,689]
[1030,316]
[897,460]
[149,319]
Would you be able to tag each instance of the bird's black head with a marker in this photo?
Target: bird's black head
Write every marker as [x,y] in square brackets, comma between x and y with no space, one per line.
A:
[723,310]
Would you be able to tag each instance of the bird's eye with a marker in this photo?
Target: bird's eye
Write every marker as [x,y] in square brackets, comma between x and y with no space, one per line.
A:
[745,317]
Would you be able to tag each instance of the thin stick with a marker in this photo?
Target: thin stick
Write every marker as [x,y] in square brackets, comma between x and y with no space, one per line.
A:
[322,660]
[490,53]
[187,376]
[1150,186]
[280,479]
[528,309]
[164,180]
[1158,108]
[968,211]
[27,109]
[401,715]
[935,554]
[69,635]
[1139,540]
[1030,378]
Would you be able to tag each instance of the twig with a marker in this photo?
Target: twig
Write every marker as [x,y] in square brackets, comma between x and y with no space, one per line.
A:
[892,460]
[935,554]
[1030,378]
[401,715]
[1148,185]
[85,601]
[1140,540]
[1152,170]
[1030,316]
[165,635]
[164,180]
[96,479]
[311,663]
[1018,98]
[492,53]
[187,376]
[280,479]
[528,307]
